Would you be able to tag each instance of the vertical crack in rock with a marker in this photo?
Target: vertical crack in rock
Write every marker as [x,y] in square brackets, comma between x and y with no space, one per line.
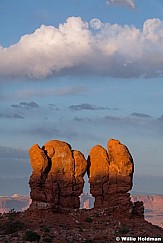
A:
[57,177]
[110,176]
[40,165]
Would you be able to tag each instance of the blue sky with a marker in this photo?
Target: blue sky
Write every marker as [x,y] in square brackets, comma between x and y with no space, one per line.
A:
[83,72]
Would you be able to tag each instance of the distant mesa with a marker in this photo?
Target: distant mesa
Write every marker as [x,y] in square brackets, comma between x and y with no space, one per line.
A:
[58,171]
[15,202]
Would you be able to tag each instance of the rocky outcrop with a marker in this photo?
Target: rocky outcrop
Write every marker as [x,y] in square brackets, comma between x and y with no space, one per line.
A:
[57,178]
[77,226]
[153,207]
[110,176]
[57,181]
[138,209]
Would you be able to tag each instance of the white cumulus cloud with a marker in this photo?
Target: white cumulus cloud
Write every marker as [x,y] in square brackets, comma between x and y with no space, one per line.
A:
[75,49]
[95,24]
[127,3]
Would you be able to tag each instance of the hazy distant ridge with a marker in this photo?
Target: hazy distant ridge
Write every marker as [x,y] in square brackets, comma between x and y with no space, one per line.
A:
[153,205]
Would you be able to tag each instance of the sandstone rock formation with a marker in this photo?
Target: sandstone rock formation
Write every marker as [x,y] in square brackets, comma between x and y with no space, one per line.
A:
[138,209]
[57,177]
[153,207]
[57,181]
[110,176]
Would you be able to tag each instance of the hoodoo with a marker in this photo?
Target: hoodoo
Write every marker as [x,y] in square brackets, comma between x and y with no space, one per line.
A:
[58,171]
[110,176]
[56,185]
[57,177]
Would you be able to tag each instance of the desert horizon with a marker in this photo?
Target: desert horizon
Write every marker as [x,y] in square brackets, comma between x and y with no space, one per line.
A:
[74,74]
[152,204]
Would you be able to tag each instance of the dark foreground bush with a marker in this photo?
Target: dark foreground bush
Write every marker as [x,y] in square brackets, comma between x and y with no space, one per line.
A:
[89,220]
[31,236]
[48,239]
[88,241]
[12,227]
[124,229]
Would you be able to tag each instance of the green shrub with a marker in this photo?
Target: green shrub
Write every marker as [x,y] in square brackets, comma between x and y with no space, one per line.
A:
[11,214]
[89,220]
[88,241]
[45,228]
[124,229]
[12,227]
[48,239]
[12,210]
[31,236]
[80,228]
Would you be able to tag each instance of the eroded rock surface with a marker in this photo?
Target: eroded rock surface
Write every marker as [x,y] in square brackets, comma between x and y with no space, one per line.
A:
[57,177]
[110,176]
[58,171]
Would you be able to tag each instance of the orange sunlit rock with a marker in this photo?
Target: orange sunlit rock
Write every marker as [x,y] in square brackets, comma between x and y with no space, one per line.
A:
[110,176]
[58,173]
[62,161]
[121,161]
[98,162]
[39,160]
